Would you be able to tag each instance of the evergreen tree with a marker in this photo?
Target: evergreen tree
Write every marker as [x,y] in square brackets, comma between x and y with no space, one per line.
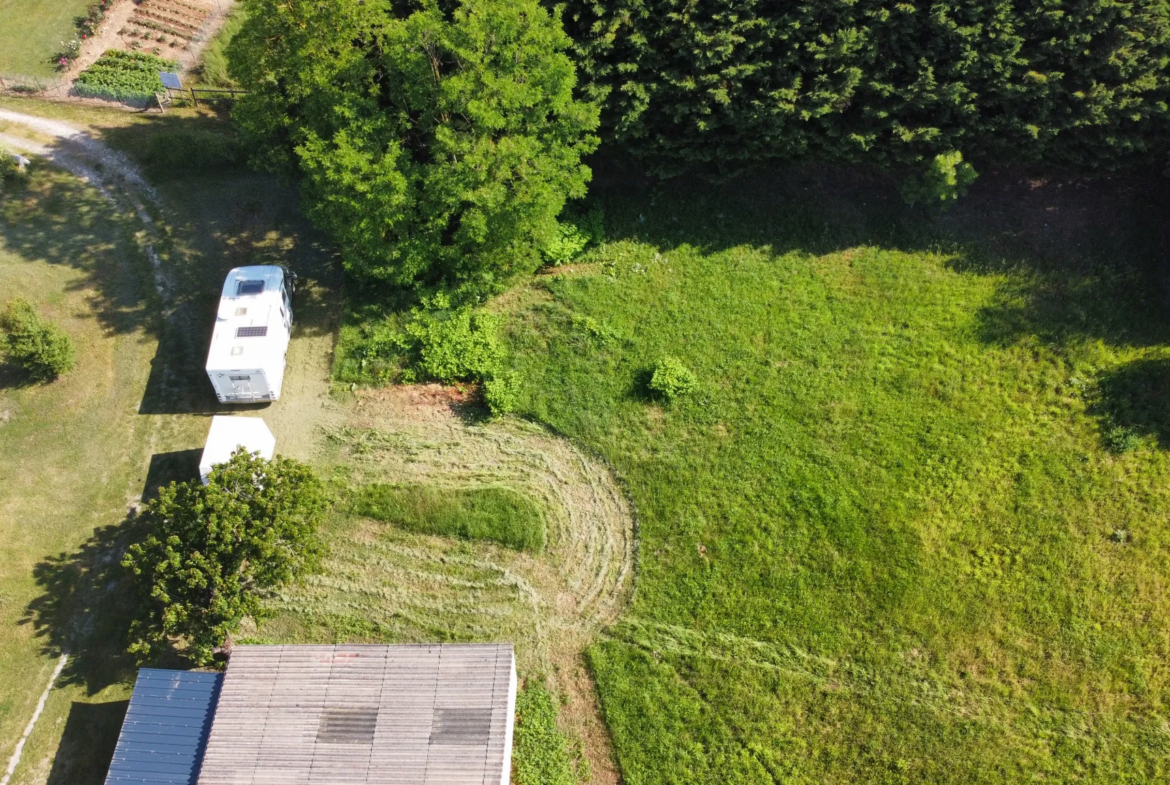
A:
[727,83]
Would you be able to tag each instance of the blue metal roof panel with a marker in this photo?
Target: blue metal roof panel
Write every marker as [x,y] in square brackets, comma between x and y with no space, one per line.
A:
[165,731]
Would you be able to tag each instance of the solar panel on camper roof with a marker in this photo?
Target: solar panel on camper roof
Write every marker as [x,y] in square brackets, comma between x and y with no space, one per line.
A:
[249,287]
[251,332]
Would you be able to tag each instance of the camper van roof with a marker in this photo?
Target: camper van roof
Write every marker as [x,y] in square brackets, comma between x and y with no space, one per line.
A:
[249,327]
[254,281]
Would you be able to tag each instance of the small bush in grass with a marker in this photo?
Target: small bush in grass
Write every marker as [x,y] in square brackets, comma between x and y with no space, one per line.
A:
[456,345]
[37,345]
[672,379]
[1122,440]
[574,235]
[500,394]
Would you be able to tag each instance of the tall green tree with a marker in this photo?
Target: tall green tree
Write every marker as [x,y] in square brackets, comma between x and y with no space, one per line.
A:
[213,551]
[730,83]
[435,144]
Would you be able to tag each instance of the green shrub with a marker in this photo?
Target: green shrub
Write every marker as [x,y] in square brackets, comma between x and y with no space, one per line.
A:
[574,234]
[9,171]
[541,755]
[456,345]
[672,379]
[944,180]
[500,393]
[1122,440]
[42,349]
[490,513]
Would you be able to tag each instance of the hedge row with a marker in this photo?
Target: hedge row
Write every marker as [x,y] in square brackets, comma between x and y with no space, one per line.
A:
[1080,83]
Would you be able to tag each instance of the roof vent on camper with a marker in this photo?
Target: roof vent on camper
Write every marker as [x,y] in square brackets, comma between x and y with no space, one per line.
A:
[249,287]
[252,332]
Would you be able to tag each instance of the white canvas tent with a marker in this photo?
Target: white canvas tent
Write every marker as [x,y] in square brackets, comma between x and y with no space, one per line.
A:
[228,433]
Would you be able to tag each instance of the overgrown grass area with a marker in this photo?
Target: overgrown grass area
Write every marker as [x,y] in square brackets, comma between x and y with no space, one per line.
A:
[32,33]
[489,513]
[892,535]
[213,67]
[540,750]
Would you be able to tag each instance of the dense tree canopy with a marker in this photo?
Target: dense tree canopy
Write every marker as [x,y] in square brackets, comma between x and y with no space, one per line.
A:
[213,549]
[435,143]
[729,82]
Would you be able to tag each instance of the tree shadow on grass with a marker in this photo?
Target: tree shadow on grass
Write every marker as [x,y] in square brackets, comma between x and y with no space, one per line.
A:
[85,608]
[1079,258]
[87,600]
[87,743]
[1135,399]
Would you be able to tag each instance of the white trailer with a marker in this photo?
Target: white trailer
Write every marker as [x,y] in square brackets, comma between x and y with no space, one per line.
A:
[229,433]
[246,360]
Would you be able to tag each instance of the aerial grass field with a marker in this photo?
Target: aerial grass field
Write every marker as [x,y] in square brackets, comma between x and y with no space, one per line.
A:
[912,524]
[32,33]
[909,527]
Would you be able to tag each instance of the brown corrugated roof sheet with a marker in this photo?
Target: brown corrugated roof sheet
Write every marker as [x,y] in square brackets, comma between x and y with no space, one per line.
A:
[400,715]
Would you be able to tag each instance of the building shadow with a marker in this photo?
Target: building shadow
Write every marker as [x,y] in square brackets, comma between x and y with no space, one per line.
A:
[87,744]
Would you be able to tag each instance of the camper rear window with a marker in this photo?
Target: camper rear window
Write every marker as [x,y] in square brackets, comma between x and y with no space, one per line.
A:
[249,287]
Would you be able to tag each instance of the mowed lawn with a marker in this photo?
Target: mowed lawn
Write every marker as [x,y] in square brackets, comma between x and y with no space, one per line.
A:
[32,33]
[913,525]
[72,454]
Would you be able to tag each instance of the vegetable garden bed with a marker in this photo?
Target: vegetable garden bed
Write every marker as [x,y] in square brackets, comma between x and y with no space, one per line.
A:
[123,76]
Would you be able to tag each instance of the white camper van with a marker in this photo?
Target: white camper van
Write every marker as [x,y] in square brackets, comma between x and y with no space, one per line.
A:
[246,361]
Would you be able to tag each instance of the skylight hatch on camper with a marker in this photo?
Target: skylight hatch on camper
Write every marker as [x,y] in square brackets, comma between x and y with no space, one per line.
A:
[249,287]
[252,332]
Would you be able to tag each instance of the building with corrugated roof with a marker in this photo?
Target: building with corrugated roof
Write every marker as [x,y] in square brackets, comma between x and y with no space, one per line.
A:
[431,714]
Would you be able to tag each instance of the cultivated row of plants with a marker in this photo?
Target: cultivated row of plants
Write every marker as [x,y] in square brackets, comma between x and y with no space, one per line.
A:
[123,75]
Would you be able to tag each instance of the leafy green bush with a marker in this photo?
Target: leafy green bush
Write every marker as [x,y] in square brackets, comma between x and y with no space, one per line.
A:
[458,173]
[456,345]
[541,754]
[123,76]
[42,349]
[944,180]
[213,550]
[671,379]
[574,234]
[1122,440]
[491,513]
[500,393]
[9,171]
